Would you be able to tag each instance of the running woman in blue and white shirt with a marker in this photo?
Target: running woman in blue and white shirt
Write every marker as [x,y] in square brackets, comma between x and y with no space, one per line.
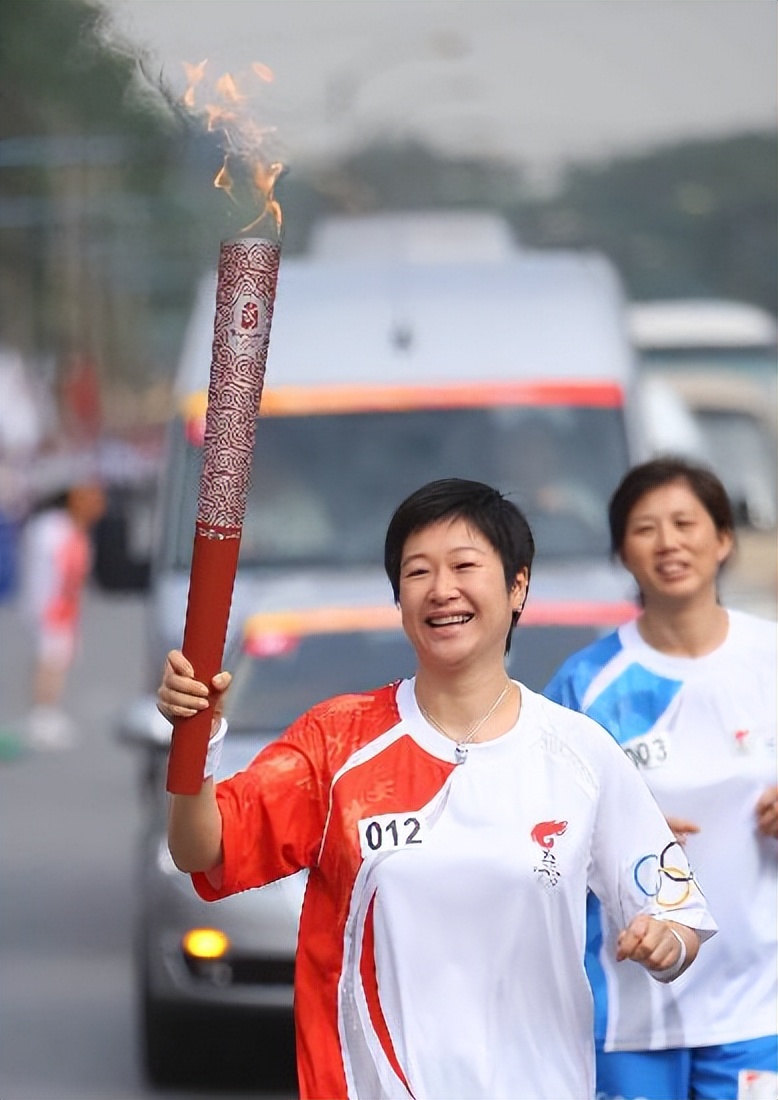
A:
[689,691]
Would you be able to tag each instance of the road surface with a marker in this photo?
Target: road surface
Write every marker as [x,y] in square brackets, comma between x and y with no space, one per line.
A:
[68,822]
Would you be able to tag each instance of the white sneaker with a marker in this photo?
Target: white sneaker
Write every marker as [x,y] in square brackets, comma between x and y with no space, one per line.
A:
[49,728]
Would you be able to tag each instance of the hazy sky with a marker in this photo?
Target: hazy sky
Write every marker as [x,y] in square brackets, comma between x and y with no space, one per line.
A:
[541,81]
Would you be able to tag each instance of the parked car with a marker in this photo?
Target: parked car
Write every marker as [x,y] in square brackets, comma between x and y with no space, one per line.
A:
[738,427]
[739,430]
[201,966]
[720,359]
[706,335]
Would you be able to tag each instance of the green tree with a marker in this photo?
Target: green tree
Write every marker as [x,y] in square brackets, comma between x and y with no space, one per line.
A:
[97,238]
[693,218]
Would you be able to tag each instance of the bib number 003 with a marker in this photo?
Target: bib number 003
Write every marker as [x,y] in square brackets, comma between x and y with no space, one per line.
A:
[650,751]
[389,832]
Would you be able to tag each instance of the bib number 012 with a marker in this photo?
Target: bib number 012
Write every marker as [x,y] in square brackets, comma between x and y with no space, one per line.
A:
[389,832]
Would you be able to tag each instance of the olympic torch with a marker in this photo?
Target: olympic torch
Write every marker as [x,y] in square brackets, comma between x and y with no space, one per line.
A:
[245,294]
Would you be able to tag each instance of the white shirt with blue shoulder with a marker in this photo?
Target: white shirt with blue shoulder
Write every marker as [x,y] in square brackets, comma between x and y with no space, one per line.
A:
[702,732]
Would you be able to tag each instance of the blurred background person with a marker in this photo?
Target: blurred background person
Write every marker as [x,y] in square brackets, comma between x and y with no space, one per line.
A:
[22,429]
[56,559]
[689,691]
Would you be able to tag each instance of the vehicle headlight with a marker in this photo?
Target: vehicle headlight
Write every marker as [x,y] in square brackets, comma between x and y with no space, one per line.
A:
[205,943]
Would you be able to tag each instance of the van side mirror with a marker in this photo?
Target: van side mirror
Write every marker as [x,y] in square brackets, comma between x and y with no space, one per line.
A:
[753,510]
[142,726]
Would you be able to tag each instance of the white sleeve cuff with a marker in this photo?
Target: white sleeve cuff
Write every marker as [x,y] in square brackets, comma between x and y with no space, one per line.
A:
[214,754]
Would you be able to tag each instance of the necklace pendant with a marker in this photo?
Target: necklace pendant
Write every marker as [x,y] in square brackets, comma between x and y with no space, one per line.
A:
[460,753]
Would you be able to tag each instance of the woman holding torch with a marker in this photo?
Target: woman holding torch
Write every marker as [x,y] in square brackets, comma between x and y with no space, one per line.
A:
[452,825]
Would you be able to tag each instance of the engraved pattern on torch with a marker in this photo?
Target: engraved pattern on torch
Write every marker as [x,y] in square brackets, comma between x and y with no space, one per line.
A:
[244,310]
[245,294]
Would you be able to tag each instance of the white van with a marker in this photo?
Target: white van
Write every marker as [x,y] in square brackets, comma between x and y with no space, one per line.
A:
[503,365]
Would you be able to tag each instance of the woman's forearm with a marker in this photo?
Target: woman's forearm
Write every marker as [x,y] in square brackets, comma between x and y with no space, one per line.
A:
[195,830]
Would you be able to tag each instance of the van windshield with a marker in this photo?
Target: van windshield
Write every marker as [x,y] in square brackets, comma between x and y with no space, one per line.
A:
[324,486]
[269,692]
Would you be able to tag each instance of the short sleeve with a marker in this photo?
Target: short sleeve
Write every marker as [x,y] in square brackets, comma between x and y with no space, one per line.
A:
[637,864]
[273,812]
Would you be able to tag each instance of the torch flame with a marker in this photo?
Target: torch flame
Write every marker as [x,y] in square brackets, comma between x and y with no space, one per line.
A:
[244,138]
[223,179]
[218,119]
[265,179]
[228,89]
[264,72]
[194,75]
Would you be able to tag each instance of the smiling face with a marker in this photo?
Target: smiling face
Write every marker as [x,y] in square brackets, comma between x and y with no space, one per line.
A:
[456,608]
[672,547]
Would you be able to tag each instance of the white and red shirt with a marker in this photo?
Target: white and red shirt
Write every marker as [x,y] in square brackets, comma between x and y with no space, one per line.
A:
[442,934]
[702,734]
[56,560]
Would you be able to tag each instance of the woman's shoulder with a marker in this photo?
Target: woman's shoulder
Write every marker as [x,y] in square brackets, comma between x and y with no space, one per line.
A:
[357,706]
[569,732]
[752,632]
[342,724]
[571,722]
[746,620]
[577,671]
[47,523]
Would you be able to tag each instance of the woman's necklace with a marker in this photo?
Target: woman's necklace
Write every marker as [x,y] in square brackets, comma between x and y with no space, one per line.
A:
[460,750]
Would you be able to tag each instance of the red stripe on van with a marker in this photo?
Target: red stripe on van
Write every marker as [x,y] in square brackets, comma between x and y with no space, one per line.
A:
[305,400]
[323,400]
[271,634]
[323,620]
[577,613]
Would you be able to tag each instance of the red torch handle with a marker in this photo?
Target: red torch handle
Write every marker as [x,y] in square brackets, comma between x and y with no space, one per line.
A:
[214,561]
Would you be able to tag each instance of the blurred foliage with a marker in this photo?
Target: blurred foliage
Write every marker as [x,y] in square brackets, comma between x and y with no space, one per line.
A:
[411,176]
[697,218]
[692,219]
[99,234]
[109,215]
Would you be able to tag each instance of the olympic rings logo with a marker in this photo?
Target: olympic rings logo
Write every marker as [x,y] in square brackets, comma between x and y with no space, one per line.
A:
[657,878]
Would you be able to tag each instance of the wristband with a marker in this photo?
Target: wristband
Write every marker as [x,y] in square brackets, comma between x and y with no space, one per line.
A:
[674,969]
[214,754]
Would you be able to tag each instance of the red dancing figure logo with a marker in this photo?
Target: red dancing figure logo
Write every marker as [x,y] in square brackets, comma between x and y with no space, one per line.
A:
[742,740]
[544,834]
[249,315]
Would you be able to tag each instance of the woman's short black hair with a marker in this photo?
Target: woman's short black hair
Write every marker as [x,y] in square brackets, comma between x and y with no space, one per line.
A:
[651,475]
[499,520]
